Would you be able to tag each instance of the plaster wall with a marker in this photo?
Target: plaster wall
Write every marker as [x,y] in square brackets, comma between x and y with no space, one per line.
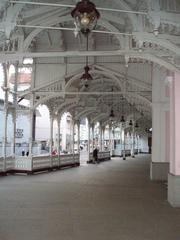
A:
[174,127]
[160,117]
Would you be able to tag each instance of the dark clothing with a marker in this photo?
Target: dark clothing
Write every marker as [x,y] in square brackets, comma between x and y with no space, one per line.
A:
[95,155]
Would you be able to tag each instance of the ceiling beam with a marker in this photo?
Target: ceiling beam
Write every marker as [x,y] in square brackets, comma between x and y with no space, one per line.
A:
[95,93]
[72,6]
[131,53]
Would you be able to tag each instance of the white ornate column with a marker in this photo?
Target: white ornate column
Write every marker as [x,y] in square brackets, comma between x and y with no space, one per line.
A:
[92,136]
[15,108]
[103,130]
[109,145]
[78,136]
[6,92]
[73,136]
[51,139]
[133,141]
[59,139]
[113,136]
[31,114]
[110,139]
[160,126]
[137,139]
[124,147]
[89,140]
[174,172]
[31,111]
[100,128]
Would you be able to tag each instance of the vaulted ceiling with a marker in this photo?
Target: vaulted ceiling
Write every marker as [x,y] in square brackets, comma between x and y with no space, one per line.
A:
[144,35]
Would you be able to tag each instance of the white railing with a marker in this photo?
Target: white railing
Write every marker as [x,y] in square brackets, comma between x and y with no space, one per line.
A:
[69,159]
[10,163]
[1,164]
[101,156]
[34,163]
[23,163]
[39,162]
[119,152]
[127,152]
[54,161]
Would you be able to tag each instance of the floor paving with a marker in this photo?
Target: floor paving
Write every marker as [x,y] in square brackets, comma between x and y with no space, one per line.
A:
[114,200]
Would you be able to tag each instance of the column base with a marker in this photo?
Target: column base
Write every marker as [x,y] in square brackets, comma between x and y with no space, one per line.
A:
[159,171]
[174,190]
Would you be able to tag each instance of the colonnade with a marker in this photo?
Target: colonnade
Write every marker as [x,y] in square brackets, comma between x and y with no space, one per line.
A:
[91,137]
[166,133]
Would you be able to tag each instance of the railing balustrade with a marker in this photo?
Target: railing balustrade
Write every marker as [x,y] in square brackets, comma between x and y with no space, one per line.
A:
[102,156]
[27,164]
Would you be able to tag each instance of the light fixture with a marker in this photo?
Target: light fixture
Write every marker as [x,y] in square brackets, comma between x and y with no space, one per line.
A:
[130,123]
[136,125]
[86,75]
[122,119]
[85,15]
[111,115]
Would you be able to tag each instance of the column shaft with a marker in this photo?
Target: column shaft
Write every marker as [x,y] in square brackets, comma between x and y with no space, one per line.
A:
[15,108]
[133,141]
[93,137]
[88,141]
[174,175]
[73,137]
[4,150]
[51,140]
[78,137]
[100,138]
[59,141]
[124,149]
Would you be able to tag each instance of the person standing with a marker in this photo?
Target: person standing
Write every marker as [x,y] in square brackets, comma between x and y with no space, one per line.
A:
[95,155]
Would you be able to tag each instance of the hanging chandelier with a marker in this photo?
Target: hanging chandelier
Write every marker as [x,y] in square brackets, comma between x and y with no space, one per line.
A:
[86,76]
[85,15]
[111,116]
[136,125]
[130,123]
[122,119]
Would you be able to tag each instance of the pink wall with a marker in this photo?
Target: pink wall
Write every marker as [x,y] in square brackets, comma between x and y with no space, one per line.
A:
[167,91]
[167,126]
[175,125]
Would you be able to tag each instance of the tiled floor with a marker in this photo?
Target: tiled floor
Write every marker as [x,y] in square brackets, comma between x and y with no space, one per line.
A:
[114,200]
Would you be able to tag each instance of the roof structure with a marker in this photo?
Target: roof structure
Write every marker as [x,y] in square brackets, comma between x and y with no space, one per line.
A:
[132,37]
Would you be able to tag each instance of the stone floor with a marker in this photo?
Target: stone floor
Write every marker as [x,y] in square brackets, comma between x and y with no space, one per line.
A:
[114,200]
